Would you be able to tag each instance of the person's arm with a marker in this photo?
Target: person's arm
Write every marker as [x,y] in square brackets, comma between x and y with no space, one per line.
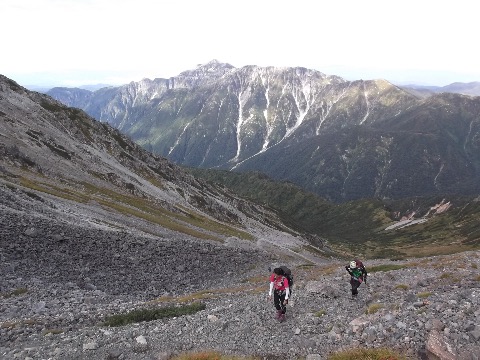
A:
[287,288]
[348,270]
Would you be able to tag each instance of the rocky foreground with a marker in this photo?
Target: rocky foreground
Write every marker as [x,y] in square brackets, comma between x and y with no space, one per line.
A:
[60,279]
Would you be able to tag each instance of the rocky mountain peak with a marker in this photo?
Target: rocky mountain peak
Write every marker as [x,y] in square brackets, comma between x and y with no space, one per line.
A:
[203,74]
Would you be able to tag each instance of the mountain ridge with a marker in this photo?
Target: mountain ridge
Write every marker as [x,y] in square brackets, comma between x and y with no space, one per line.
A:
[232,118]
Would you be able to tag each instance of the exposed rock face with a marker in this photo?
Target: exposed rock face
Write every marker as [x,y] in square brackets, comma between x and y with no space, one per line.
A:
[341,139]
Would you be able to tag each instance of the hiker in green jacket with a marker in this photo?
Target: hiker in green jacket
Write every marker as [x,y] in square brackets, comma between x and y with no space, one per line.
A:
[358,274]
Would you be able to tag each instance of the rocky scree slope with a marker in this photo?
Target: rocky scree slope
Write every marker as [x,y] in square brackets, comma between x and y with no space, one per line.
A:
[60,279]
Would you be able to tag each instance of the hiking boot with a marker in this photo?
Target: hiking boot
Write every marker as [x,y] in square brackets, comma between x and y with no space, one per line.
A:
[278,315]
[282,318]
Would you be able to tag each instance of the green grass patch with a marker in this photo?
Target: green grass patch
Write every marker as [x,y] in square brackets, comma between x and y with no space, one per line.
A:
[184,221]
[367,354]
[402,287]
[306,266]
[16,292]
[320,313]
[141,315]
[424,295]
[210,355]
[63,193]
[373,308]
[256,280]
[314,250]
[385,268]
[176,221]
[52,332]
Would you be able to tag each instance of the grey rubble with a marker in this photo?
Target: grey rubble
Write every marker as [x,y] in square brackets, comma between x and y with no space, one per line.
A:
[75,275]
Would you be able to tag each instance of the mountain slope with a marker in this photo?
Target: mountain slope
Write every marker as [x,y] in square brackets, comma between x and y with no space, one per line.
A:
[342,140]
[61,152]
[369,228]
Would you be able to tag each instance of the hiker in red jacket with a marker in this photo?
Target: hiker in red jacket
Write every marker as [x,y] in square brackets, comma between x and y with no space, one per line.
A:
[280,288]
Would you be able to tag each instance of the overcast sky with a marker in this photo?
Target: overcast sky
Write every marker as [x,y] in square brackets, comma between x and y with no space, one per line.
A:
[80,42]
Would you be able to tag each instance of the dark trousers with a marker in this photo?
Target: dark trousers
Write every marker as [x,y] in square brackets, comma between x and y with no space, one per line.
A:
[355,284]
[278,299]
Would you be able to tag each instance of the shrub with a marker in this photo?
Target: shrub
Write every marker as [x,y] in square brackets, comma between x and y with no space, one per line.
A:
[140,315]
[320,313]
[402,287]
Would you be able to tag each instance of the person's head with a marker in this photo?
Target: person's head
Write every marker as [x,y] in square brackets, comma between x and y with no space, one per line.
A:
[353,264]
[278,271]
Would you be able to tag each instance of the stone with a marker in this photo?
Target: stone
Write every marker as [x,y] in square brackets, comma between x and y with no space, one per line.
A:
[141,340]
[437,345]
[90,346]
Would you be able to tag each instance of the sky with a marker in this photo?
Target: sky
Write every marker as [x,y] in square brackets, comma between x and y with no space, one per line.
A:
[71,43]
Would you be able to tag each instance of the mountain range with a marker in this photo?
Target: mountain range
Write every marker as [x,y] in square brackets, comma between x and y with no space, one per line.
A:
[103,177]
[342,140]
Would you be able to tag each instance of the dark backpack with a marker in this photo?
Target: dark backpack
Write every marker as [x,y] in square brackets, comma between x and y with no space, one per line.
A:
[288,274]
[359,264]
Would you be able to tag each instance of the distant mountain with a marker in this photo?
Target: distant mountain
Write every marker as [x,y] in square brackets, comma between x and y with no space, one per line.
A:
[46,89]
[340,139]
[472,89]
[42,89]
[94,87]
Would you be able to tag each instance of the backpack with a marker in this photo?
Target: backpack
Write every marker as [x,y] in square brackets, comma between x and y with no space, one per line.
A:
[288,274]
